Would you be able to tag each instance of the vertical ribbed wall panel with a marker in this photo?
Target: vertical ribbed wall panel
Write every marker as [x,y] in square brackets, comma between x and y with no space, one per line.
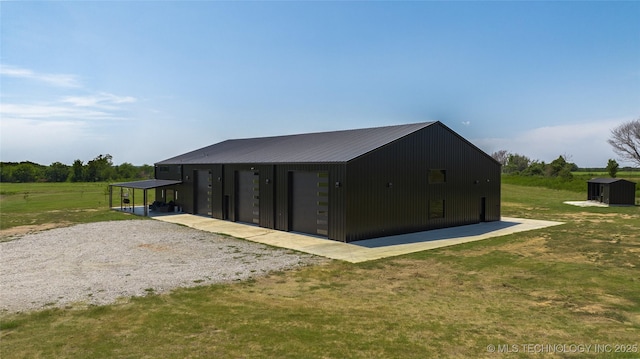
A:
[389,191]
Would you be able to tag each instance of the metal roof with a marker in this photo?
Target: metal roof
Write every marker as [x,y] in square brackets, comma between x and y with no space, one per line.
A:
[146,184]
[335,146]
[607,180]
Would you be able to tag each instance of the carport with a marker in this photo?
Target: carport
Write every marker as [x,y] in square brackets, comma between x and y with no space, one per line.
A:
[143,185]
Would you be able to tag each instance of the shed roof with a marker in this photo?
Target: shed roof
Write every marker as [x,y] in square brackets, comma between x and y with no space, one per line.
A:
[147,184]
[607,180]
[328,147]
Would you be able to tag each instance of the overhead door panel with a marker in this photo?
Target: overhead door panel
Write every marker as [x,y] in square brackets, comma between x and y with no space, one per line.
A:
[248,197]
[310,202]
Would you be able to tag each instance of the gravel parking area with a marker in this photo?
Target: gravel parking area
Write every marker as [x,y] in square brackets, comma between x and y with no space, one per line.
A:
[99,263]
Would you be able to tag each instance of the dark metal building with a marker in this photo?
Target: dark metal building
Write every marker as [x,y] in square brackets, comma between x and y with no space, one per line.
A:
[343,185]
[611,191]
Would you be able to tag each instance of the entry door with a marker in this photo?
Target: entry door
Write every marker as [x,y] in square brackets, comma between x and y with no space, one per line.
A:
[248,196]
[310,202]
[203,192]
[483,209]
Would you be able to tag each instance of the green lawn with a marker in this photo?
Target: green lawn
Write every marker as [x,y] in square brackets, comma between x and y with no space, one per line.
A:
[573,284]
[576,184]
[43,205]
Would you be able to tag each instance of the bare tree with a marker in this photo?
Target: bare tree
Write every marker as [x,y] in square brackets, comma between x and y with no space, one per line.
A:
[501,156]
[625,140]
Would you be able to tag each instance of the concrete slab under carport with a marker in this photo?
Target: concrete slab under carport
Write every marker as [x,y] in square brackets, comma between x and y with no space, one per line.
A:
[366,250]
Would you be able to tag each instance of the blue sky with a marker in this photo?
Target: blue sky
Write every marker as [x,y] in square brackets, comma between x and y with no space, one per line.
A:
[145,81]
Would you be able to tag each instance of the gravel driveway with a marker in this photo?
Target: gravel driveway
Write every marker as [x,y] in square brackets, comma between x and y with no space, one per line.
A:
[98,263]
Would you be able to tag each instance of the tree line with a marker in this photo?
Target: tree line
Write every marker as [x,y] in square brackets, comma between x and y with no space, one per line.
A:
[516,164]
[99,169]
[625,140]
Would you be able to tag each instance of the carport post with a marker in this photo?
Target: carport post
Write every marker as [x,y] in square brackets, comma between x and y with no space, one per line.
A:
[110,196]
[144,202]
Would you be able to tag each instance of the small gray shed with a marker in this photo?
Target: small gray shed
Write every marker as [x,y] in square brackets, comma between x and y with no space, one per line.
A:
[611,191]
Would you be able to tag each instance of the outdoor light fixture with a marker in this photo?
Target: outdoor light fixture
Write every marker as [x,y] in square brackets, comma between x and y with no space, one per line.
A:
[219,179]
[338,184]
[390,185]
[267,181]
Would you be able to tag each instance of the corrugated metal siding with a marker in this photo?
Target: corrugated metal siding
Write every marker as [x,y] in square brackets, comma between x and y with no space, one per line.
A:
[217,191]
[614,190]
[267,196]
[388,191]
[622,192]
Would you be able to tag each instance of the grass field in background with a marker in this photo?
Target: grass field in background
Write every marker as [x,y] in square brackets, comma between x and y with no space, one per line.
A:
[573,284]
[577,184]
[44,204]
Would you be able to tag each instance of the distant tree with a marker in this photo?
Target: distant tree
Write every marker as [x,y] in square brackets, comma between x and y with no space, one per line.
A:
[146,171]
[56,172]
[559,168]
[99,169]
[501,156]
[535,169]
[516,163]
[612,168]
[25,172]
[77,171]
[625,140]
[6,171]
[126,171]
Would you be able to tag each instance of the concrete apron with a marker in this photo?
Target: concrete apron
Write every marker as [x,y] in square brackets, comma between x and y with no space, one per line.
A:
[361,251]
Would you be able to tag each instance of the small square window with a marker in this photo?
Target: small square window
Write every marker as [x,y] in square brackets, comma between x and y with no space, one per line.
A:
[437,176]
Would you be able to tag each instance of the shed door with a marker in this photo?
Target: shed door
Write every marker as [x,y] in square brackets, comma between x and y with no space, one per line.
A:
[203,192]
[309,202]
[248,197]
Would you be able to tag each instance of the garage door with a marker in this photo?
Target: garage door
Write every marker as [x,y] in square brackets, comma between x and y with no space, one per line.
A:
[310,202]
[248,197]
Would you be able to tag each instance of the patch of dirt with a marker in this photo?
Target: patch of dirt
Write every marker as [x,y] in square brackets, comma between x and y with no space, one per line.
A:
[154,247]
[533,247]
[9,233]
[596,217]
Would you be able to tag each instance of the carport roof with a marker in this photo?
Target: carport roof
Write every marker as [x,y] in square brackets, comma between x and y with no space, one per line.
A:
[321,147]
[146,184]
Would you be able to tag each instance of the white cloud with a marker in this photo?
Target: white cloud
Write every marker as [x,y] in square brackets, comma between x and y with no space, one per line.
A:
[52,112]
[44,141]
[58,80]
[59,128]
[102,99]
[585,143]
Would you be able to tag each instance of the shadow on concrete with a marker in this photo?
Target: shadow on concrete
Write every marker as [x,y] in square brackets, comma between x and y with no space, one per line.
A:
[471,230]
[139,211]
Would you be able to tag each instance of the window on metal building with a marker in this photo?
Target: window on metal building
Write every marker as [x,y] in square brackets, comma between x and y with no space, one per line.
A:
[437,176]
